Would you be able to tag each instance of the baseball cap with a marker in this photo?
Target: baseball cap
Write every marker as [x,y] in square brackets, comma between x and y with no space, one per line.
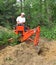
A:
[23,13]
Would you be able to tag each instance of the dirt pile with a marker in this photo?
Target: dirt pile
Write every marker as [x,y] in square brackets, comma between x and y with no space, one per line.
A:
[26,54]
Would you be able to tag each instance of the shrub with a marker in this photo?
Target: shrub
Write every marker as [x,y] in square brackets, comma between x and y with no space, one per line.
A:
[5,35]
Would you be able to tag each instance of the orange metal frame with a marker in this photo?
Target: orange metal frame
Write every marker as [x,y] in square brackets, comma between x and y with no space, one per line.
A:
[27,35]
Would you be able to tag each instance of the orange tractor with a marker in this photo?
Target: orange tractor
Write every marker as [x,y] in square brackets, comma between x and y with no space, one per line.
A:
[26,35]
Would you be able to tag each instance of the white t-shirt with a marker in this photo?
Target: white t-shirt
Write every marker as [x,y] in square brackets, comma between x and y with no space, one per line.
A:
[21,19]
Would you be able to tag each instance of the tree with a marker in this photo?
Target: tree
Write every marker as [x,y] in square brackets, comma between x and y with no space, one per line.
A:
[8,10]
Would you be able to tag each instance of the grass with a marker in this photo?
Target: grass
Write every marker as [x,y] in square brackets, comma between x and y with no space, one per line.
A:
[49,33]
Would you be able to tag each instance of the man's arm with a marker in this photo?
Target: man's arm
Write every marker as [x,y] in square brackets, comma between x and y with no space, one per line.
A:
[17,22]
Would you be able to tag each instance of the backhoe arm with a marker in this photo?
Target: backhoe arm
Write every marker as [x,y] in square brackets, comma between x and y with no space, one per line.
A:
[29,33]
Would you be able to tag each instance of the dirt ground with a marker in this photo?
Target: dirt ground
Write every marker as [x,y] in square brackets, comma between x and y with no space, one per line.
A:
[27,54]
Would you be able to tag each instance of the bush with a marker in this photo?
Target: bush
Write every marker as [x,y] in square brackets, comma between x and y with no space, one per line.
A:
[5,35]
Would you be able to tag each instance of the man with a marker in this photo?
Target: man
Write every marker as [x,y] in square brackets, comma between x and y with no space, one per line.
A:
[21,19]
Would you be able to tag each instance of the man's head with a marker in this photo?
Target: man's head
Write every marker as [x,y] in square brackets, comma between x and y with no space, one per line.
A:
[22,14]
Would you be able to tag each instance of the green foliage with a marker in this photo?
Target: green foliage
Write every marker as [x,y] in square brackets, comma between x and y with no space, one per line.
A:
[48,33]
[5,35]
[41,12]
[8,11]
